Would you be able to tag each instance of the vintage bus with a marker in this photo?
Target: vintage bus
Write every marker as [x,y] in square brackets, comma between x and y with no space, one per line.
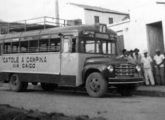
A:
[73,56]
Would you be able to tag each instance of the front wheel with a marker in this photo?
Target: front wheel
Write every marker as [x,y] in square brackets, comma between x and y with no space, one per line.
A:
[16,84]
[96,85]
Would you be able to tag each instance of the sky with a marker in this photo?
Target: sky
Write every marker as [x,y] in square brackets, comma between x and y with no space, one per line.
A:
[14,10]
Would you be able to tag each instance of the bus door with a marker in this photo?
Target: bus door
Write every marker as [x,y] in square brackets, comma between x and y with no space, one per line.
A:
[69,61]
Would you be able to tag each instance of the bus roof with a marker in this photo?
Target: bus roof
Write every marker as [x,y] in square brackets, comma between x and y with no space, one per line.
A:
[56,30]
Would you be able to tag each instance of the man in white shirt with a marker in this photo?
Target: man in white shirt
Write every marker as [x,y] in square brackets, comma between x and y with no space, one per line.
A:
[146,64]
[159,67]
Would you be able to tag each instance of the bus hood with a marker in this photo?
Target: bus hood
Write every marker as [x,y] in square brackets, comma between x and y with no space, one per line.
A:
[105,60]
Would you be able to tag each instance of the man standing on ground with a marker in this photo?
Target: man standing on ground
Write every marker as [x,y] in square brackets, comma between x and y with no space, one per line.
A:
[159,67]
[146,64]
[137,57]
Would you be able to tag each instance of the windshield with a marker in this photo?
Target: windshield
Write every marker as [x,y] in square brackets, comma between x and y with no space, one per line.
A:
[97,46]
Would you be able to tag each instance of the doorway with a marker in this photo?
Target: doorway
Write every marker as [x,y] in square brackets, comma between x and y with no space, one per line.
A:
[155,37]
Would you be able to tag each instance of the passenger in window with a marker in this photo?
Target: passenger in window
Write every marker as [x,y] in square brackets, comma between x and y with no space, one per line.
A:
[52,47]
[14,49]
[43,47]
[57,47]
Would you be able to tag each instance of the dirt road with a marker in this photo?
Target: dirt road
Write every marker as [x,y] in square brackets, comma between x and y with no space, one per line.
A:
[112,107]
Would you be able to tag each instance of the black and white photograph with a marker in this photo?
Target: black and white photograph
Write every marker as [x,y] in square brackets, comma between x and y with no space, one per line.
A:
[82,60]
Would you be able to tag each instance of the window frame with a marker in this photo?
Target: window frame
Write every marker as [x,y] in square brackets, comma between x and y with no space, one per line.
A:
[56,49]
[43,38]
[102,41]
[5,51]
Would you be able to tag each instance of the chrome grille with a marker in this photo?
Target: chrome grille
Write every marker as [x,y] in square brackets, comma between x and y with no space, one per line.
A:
[125,70]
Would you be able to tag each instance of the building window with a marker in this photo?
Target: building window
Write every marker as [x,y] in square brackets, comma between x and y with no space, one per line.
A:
[110,20]
[96,18]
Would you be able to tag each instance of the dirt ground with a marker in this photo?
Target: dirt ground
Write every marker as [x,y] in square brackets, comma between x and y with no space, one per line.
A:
[8,112]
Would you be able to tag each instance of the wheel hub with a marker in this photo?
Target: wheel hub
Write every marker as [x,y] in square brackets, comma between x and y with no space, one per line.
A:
[94,84]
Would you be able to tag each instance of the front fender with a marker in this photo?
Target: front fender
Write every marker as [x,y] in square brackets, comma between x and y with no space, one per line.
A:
[101,68]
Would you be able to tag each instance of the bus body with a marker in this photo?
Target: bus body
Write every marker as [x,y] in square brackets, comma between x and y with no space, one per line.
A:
[67,56]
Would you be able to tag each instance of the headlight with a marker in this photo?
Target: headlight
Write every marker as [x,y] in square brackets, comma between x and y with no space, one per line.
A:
[110,68]
[138,68]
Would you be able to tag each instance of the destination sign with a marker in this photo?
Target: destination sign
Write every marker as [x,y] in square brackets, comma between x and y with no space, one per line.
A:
[103,36]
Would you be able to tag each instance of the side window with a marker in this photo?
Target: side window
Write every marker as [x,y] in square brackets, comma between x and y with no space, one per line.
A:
[33,46]
[90,46]
[109,48]
[69,44]
[24,46]
[15,47]
[98,47]
[44,43]
[7,47]
[104,46]
[74,45]
[66,47]
[82,46]
[54,45]
[113,48]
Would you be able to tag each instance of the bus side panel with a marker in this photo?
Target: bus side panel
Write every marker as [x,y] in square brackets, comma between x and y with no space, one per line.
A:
[69,67]
[41,63]
[37,67]
[48,78]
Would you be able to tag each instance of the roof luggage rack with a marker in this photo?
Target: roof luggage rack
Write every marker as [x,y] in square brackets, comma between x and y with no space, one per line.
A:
[32,24]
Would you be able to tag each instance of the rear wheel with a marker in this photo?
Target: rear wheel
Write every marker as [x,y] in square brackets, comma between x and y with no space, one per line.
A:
[48,86]
[16,84]
[96,85]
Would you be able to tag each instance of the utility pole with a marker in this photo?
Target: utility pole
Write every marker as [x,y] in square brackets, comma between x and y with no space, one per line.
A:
[57,13]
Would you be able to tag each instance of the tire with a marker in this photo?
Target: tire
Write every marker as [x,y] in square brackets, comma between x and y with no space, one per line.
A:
[126,90]
[16,85]
[48,86]
[96,85]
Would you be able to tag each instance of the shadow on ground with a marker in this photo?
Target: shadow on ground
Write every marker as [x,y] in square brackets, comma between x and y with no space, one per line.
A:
[11,113]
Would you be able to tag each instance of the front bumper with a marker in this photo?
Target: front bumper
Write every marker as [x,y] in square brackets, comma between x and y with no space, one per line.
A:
[125,80]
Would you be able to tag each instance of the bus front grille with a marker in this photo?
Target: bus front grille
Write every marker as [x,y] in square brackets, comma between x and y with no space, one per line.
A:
[125,70]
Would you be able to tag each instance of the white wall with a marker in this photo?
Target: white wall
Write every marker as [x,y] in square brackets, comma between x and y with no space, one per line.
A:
[136,35]
[140,17]
[103,17]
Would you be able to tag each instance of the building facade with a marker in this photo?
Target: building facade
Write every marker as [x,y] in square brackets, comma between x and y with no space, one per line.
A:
[92,14]
[145,29]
